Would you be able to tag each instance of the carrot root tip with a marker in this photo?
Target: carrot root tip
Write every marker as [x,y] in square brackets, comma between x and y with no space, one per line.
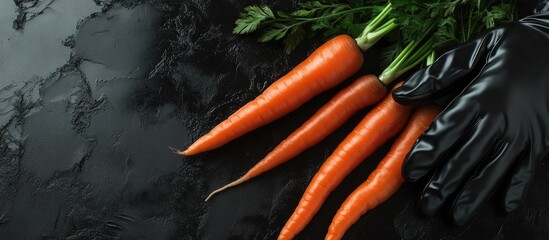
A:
[232,184]
[177,151]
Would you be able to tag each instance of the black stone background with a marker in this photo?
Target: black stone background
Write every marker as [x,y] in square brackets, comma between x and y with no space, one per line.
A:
[93,92]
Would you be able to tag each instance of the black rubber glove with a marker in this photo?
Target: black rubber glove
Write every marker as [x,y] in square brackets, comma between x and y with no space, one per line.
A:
[495,129]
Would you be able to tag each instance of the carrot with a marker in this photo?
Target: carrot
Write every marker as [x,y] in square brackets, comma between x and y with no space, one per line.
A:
[365,91]
[327,66]
[380,124]
[385,179]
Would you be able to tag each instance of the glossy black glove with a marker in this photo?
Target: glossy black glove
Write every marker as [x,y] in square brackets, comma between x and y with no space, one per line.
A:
[495,129]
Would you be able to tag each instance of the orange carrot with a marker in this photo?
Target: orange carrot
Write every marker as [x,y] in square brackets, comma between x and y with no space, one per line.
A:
[365,91]
[327,66]
[380,124]
[385,179]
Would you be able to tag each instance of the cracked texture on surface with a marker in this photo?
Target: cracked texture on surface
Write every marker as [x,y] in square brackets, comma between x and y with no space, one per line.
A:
[94,91]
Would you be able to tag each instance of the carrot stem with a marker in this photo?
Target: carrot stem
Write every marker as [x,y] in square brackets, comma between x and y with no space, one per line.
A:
[405,52]
[352,10]
[377,20]
[418,56]
[368,40]
[373,32]
[411,56]
[431,58]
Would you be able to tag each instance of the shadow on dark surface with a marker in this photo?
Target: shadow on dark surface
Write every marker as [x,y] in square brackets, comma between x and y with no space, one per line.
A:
[86,121]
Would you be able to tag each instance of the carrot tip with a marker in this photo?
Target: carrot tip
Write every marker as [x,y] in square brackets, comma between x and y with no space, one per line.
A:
[176,151]
[232,184]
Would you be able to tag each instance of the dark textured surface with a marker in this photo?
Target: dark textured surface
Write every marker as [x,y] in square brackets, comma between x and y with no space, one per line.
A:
[93,92]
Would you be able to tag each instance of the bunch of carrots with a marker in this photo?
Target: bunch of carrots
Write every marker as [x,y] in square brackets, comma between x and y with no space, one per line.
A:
[329,65]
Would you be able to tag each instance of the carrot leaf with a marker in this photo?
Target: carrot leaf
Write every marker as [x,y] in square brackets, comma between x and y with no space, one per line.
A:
[295,37]
[252,18]
[447,22]
[330,18]
[502,12]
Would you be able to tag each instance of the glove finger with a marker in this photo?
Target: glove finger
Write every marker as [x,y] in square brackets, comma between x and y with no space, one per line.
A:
[519,183]
[460,163]
[440,137]
[452,70]
[481,186]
